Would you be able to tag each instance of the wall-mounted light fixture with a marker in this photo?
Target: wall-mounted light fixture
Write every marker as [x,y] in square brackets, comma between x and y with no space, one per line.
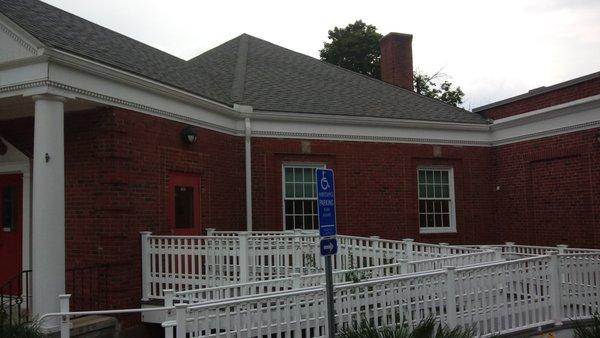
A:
[189,135]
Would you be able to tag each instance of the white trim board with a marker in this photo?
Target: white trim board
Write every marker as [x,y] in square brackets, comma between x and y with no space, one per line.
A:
[37,75]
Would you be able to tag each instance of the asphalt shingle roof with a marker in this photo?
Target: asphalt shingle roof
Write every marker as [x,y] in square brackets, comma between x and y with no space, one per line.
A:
[244,70]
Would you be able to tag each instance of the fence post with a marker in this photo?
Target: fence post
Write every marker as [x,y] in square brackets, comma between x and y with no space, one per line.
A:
[169,297]
[444,250]
[244,256]
[377,258]
[296,282]
[145,264]
[555,292]
[561,248]
[451,296]
[403,266]
[510,247]
[181,320]
[296,253]
[497,254]
[65,321]
[408,242]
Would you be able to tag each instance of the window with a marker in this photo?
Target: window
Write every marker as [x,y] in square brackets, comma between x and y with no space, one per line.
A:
[184,203]
[436,200]
[299,197]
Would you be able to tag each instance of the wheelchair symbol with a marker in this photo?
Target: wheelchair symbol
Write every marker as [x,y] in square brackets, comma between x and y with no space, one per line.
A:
[324,182]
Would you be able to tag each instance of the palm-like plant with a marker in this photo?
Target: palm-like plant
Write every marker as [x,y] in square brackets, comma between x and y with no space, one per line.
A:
[588,331]
[425,329]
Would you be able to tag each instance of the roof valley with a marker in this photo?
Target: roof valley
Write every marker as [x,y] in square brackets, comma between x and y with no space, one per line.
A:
[239,76]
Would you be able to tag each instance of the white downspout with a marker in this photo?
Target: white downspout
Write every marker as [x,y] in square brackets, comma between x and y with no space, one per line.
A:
[248,137]
[246,111]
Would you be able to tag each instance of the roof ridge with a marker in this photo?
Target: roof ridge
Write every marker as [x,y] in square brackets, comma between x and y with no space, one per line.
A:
[366,76]
[239,73]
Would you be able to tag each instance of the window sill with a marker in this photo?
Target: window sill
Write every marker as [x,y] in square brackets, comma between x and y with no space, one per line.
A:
[437,230]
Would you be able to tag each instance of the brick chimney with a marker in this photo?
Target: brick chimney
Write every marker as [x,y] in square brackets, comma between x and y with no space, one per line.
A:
[396,60]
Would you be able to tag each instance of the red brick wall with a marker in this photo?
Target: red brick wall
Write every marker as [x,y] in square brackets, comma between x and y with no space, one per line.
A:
[376,186]
[550,190]
[558,96]
[116,173]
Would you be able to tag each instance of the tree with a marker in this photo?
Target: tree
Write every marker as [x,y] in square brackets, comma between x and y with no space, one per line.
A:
[356,47]
[438,87]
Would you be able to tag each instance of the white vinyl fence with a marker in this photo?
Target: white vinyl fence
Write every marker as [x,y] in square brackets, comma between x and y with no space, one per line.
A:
[194,262]
[297,281]
[494,298]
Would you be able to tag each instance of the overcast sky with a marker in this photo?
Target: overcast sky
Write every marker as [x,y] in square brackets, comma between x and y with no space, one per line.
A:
[492,49]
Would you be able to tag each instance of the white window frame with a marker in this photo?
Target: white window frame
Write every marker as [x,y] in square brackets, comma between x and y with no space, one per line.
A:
[451,207]
[314,165]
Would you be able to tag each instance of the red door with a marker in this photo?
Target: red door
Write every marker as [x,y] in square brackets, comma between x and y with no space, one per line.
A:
[184,204]
[11,229]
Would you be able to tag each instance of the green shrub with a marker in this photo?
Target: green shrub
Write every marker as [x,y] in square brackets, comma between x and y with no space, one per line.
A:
[425,329]
[588,331]
[20,331]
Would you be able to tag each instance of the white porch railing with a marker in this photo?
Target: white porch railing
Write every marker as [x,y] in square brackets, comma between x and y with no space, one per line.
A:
[512,250]
[297,281]
[494,298]
[194,262]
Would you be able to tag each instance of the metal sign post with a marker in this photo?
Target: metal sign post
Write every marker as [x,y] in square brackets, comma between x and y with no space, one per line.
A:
[327,231]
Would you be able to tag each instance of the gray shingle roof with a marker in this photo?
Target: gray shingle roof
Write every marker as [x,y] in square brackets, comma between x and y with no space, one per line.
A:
[65,31]
[245,70]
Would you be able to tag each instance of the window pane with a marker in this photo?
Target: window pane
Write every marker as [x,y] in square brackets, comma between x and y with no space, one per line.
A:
[289,190]
[445,191]
[289,207]
[430,208]
[298,175]
[445,206]
[297,207]
[430,220]
[422,190]
[308,190]
[298,222]
[289,174]
[298,190]
[422,206]
[422,220]
[438,220]
[429,176]
[437,177]
[184,207]
[430,190]
[421,176]
[289,222]
[446,219]
[438,191]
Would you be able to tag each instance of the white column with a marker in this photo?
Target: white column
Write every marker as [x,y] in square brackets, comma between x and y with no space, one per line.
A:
[48,223]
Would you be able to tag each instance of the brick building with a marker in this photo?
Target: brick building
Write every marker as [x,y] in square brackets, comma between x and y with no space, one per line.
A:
[104,137]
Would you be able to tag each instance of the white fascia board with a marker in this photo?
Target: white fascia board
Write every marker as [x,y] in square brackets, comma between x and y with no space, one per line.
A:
[110,91]
[79,63]
[546,113]
[362,120]
[20,35]
[372,130]
[18,76]
[552,122]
